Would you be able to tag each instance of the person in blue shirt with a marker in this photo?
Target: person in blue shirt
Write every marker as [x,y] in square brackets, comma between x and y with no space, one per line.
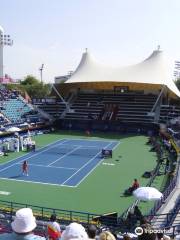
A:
[23,225]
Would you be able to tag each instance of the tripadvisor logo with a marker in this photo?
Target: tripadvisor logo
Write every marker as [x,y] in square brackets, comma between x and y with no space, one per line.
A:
[139,231]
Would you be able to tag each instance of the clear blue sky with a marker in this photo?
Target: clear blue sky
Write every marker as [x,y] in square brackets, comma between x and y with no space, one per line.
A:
[56,32]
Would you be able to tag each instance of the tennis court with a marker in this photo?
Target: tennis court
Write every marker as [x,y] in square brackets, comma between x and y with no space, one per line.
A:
[66,162]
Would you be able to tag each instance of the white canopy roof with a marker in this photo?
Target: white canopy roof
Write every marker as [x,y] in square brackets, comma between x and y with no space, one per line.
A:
[153,70]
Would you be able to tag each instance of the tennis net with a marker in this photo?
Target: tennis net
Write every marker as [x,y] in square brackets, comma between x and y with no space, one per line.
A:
[79,151]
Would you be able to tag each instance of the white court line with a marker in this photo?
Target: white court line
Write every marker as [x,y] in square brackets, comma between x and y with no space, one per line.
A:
[95,140]
[31,156]
[85,164]
[82,146]
[39,165]
[108,164]
[64,156]
[92,168]
[118,143]
[37,149]
[5,193]
[52,184]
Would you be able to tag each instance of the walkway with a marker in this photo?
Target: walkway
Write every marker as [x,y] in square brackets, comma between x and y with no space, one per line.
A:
[168,206]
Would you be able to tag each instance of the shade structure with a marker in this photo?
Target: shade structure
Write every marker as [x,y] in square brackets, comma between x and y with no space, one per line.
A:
[13,129]
[147,194]
[155,70]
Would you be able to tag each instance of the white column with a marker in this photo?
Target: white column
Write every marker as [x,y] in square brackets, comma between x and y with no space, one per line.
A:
[1,52]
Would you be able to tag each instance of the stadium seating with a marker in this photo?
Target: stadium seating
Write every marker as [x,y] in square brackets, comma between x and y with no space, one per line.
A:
[54,108]
[169,112]
[41,229]
[135,107]
[122,107]
[14,109]
[129,107]
[3,119]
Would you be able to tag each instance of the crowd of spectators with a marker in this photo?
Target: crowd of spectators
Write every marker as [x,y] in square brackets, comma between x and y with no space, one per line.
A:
[23,227]
[15,110]
[6,94]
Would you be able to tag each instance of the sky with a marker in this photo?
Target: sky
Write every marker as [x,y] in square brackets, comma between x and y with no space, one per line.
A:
[56,32]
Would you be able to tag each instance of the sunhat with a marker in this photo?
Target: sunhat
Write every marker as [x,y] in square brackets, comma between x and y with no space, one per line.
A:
[24,221]
[106,235]
[74,231]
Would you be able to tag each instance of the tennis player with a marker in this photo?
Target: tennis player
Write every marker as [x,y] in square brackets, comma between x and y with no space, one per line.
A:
[25,168]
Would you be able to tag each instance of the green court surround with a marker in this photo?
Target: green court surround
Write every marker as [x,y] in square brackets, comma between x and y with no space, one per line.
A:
[101,192]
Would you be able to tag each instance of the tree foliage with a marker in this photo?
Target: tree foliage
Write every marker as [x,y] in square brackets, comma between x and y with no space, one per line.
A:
[33,87]
[30,80]
[38,90]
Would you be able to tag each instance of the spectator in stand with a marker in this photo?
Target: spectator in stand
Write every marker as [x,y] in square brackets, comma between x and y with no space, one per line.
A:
[130,221]
[137,213]
[106,235]
[54,230]
[135,185]
[161,236]
[22,226]
[91,231]
[147,233]
[126,237]
[74,231]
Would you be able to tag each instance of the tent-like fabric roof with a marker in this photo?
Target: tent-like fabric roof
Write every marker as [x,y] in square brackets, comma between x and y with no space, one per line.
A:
[153,70]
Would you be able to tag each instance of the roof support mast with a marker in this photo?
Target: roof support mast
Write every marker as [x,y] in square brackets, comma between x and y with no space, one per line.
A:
[158,98]
[154,108]
[59,95]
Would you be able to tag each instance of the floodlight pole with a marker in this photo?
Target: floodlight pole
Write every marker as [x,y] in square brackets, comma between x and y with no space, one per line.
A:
[5,40]
[41,71]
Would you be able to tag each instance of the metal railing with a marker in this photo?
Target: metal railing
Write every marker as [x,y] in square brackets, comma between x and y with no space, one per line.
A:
[64,216]
[41,229]
[166,194]
[168,190]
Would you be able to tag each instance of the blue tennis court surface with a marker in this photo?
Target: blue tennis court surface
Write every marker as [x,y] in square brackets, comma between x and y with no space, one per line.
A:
[65,162]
